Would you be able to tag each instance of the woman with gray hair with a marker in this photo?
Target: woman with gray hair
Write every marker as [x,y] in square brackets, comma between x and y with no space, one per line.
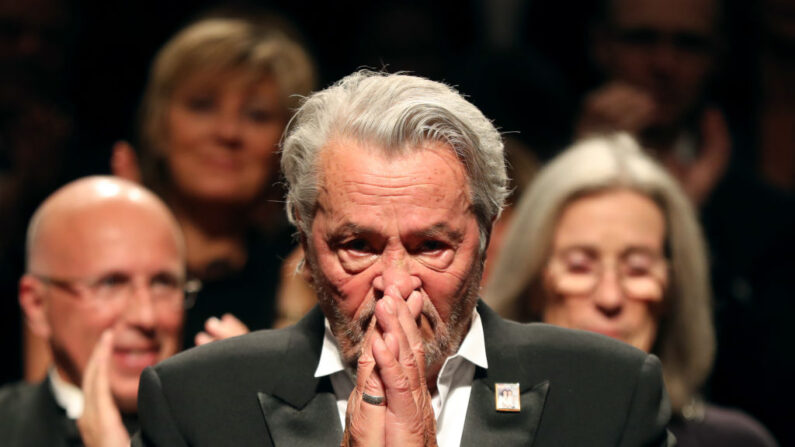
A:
[606,241]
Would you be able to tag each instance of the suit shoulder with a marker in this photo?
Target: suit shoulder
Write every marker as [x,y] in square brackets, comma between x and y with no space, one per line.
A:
[576,346]
[16,400]
[250,349]
[15,395]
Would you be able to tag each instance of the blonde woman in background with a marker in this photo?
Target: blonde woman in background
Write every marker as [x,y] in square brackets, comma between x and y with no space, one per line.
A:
[606,241]
[219,95]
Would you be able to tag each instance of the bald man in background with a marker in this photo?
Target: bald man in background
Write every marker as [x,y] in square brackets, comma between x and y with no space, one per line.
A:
[105,287]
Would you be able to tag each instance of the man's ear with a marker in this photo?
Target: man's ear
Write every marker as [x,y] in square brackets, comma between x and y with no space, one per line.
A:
[34,305]
[124,163]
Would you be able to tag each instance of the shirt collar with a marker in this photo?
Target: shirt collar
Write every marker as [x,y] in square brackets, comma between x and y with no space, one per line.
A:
[68,396]
[330,355]
[473,349]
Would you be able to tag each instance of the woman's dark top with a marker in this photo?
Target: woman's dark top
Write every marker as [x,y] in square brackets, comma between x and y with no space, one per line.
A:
[718,426]
[248,294]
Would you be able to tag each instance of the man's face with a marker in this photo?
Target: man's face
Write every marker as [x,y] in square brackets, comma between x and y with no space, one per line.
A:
[103,253]
[665,47]
[404,221]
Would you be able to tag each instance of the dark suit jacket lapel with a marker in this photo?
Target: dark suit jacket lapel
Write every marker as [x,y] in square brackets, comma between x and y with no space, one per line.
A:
[300,409]
[485,425]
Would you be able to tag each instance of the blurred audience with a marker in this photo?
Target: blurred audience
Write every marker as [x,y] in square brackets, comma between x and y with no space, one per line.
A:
[661,63]
[606,241]
[220,92]
[776,108]
[104,287]
[36,132]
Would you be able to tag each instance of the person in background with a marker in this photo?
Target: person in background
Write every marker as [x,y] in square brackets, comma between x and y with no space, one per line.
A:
[658,58]
[104,288]
[666,67]
[605,240]
[219,95]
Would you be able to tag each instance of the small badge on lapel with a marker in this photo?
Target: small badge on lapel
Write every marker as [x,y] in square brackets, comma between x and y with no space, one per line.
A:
[507,397]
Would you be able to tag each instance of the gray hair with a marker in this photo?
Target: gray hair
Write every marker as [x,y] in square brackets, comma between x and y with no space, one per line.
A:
[395,113]
[685,340]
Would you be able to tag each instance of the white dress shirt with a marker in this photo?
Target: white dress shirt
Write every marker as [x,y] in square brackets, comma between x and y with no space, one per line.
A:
[453,386]
[68,396]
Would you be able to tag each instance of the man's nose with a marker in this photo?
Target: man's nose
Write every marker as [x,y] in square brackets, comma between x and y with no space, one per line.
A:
[664,57]
[609,296]
[396,273]
[140,309]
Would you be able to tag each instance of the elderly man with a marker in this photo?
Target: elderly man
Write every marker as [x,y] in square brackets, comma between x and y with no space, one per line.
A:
[394,182]
[104,287]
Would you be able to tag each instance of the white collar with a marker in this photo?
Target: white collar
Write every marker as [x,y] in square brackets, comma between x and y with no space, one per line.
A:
[330,355]
[68,396]
[473,348]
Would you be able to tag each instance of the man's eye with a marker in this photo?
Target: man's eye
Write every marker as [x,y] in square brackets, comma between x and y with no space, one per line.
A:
[165,281]
[431,246]
[112,281]
[357,245]
[639,37]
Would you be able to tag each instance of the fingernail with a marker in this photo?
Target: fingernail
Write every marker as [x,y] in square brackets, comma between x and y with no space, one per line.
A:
[388,306]
[212,321]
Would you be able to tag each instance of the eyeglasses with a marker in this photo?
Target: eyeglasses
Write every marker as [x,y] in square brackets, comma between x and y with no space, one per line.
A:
[166,290]
[641,274]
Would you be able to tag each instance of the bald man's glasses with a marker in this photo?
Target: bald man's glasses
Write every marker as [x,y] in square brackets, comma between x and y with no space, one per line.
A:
[166,290]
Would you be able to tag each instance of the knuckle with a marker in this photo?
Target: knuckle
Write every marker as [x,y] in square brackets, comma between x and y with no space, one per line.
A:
[365,361]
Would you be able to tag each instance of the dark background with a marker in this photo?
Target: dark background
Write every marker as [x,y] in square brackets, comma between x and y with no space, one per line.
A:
[524,63]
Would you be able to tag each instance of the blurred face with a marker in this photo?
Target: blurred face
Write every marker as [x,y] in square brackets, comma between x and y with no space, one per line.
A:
[607,273]
[665,47]
[116,267]
[221,137]
[404,221]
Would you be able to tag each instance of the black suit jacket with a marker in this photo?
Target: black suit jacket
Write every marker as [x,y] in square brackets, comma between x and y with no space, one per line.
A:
[30,417]
[578,389]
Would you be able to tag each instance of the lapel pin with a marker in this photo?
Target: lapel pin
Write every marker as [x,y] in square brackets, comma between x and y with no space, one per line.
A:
[507,397]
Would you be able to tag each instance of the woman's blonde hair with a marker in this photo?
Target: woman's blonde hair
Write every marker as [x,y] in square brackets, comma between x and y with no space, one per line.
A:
[685,339]
[259,47]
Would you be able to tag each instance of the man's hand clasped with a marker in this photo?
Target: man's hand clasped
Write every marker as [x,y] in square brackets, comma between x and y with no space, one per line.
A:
[391,404]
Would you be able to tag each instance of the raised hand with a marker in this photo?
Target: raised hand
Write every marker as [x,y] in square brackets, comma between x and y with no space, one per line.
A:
[700,176]
[615,107]
[100,424]
[220,328]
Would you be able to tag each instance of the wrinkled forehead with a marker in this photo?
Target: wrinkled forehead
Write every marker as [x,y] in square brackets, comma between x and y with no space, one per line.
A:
[344,160]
